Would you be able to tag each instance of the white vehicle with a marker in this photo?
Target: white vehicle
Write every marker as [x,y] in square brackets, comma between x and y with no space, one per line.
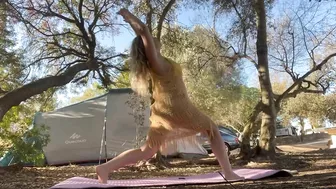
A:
[287,131]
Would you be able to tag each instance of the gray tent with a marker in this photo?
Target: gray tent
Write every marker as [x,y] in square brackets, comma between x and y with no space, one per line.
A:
[94,129]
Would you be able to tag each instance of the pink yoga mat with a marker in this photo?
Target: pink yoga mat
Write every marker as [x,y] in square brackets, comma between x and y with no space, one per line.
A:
[210,178]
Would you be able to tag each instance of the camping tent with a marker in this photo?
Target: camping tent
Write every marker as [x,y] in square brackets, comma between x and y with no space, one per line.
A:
[99,128]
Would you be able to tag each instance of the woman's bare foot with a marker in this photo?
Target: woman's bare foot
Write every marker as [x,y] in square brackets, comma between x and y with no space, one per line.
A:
[233,176]
[102,174]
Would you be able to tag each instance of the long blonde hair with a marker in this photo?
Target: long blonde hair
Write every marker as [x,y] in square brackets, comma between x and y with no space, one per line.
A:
[139,69]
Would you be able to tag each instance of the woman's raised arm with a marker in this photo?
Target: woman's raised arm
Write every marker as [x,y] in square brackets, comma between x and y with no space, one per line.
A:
[157,63]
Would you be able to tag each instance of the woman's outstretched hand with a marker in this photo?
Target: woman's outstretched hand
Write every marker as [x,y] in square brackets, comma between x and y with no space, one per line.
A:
[125,14]
[135,23]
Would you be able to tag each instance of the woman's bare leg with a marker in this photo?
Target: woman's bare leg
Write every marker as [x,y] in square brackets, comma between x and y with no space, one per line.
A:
[128,157]
[219,149]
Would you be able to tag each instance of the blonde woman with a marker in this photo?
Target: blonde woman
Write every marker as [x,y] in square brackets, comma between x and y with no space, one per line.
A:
[173,114]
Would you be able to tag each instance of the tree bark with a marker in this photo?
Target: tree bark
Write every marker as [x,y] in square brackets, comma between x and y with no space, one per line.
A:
[249,129]
[302,129]
[15,97]
[149,16]
[163,16]
[245,148]
[267,129]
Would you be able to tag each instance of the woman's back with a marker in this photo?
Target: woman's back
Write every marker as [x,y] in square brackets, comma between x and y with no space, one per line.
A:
[169,86]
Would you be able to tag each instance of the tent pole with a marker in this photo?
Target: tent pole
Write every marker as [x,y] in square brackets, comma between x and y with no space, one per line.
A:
[101,144]
[105,120]
[103,138]
[105,144]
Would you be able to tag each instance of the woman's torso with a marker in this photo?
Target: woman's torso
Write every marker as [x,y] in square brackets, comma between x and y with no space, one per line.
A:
[170,86]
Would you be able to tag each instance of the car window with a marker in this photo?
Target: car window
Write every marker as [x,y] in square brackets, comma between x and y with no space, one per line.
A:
[225,130]
[226,134]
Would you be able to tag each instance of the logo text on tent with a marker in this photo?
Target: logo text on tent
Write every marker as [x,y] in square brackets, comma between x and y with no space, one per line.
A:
[75,138]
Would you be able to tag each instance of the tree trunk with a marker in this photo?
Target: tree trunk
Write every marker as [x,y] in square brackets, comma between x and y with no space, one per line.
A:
[302,129]
[267,129]
[160,162]
[15,97]
[245,150]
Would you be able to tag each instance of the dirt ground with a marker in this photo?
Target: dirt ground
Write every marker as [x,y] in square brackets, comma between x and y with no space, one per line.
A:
[316,169]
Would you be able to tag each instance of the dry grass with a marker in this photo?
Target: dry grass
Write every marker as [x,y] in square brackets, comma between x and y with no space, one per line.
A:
[316,170]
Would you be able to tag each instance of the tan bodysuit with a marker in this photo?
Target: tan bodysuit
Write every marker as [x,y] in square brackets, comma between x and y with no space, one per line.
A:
[173,115]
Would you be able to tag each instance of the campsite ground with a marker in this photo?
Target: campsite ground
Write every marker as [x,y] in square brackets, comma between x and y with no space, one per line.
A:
[316,169]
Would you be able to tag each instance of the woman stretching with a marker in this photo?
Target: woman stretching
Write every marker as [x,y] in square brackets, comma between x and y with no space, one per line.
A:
[173,115]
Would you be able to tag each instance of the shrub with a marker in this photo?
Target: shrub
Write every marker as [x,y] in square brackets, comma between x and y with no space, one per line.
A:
[28,149]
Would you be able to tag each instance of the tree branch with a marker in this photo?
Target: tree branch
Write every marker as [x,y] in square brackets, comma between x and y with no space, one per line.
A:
[73,51]
[15,97]
[2,91]
[52,13]
[80,11]
[302,78]
[250,59]
[303,90]
[149,16]
[242,21]
[79,78]
[162,17]
[79,24]
[305,41]
[114,56]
